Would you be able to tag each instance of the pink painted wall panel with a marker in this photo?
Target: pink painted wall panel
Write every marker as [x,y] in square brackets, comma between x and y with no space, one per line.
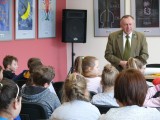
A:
[50,50]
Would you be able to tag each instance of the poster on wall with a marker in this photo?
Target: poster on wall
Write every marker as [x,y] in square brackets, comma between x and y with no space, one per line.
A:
[5,20]
[46,18]
[25,19]
[107,14]
[147,16]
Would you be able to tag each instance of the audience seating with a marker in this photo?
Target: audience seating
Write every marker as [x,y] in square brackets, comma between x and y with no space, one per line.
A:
[104,108]
[33,111]
[58,88]
[153,65]
[20,83]
[158,108]
[157,94]
[92,93]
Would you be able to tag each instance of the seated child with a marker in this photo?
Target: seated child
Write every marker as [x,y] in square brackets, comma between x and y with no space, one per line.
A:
[38,91]
[10,100]
[150,101]
[139,64]
[109,75]
[1,77]
[89,66]
[10,64]
[32,62]
[76,105]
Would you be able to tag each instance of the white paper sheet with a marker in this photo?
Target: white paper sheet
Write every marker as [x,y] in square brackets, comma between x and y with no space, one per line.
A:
[149,71]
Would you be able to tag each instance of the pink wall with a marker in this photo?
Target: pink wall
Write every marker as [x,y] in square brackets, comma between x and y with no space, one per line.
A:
[50,51]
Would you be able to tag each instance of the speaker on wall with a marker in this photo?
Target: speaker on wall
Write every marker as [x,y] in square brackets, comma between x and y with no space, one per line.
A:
[74,26]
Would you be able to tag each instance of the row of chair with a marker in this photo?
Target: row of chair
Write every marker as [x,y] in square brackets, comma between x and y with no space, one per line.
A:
[36,111]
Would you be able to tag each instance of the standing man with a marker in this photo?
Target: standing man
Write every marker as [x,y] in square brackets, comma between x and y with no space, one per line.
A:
[125,43]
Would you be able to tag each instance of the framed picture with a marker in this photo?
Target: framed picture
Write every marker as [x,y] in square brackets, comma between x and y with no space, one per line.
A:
[6,20]
[147,16]
[46,18]
[25,19]
[107,14]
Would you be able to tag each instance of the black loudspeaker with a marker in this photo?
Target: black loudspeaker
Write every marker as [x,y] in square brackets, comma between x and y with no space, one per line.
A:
[74,26]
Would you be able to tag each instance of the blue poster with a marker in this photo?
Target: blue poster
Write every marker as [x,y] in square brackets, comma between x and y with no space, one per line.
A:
[4,15]
[25,11]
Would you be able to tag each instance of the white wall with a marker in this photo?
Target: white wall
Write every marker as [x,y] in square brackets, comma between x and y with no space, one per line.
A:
[95,46]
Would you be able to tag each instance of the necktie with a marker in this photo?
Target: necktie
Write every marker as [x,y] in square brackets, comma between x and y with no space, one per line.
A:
[127,49]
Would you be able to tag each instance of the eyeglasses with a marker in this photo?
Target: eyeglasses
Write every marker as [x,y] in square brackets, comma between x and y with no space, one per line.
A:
[17,92]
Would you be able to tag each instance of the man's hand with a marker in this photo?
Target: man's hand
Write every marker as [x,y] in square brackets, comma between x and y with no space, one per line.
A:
[123,64]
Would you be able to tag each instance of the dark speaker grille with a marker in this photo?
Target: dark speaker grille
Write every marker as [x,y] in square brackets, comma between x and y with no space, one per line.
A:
[74,26]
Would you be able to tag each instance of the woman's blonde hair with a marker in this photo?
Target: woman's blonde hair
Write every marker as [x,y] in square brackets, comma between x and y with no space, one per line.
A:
[109,75]
[75,88]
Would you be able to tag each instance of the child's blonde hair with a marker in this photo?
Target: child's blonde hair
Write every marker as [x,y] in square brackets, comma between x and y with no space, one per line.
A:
[109,75]
[82,64]
[135,63]
[75,88]
[78,64]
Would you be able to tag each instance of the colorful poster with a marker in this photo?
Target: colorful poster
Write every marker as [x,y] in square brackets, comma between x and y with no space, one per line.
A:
[5,19]
[46,18]
[25,19]
[4,15]
[25,14]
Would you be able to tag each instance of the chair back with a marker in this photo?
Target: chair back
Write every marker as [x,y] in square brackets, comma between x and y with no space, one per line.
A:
[104,108]
[154,65]
[33,111]
[58,89]
[20,83]
[158,108]
[92,93]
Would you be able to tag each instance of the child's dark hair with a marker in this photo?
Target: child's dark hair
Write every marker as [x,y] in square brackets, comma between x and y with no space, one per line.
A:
[34,65]
[33,59]
[9,91]
[1,68]
[42,74]
[7,60]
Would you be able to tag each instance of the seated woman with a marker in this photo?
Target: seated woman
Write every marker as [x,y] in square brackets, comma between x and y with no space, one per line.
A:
[76,105]
[130,92]
[38,91]
[10,100]
[109,75]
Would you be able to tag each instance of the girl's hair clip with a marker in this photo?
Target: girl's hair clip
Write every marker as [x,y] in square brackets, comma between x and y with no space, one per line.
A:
[1,85]
[83,57]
